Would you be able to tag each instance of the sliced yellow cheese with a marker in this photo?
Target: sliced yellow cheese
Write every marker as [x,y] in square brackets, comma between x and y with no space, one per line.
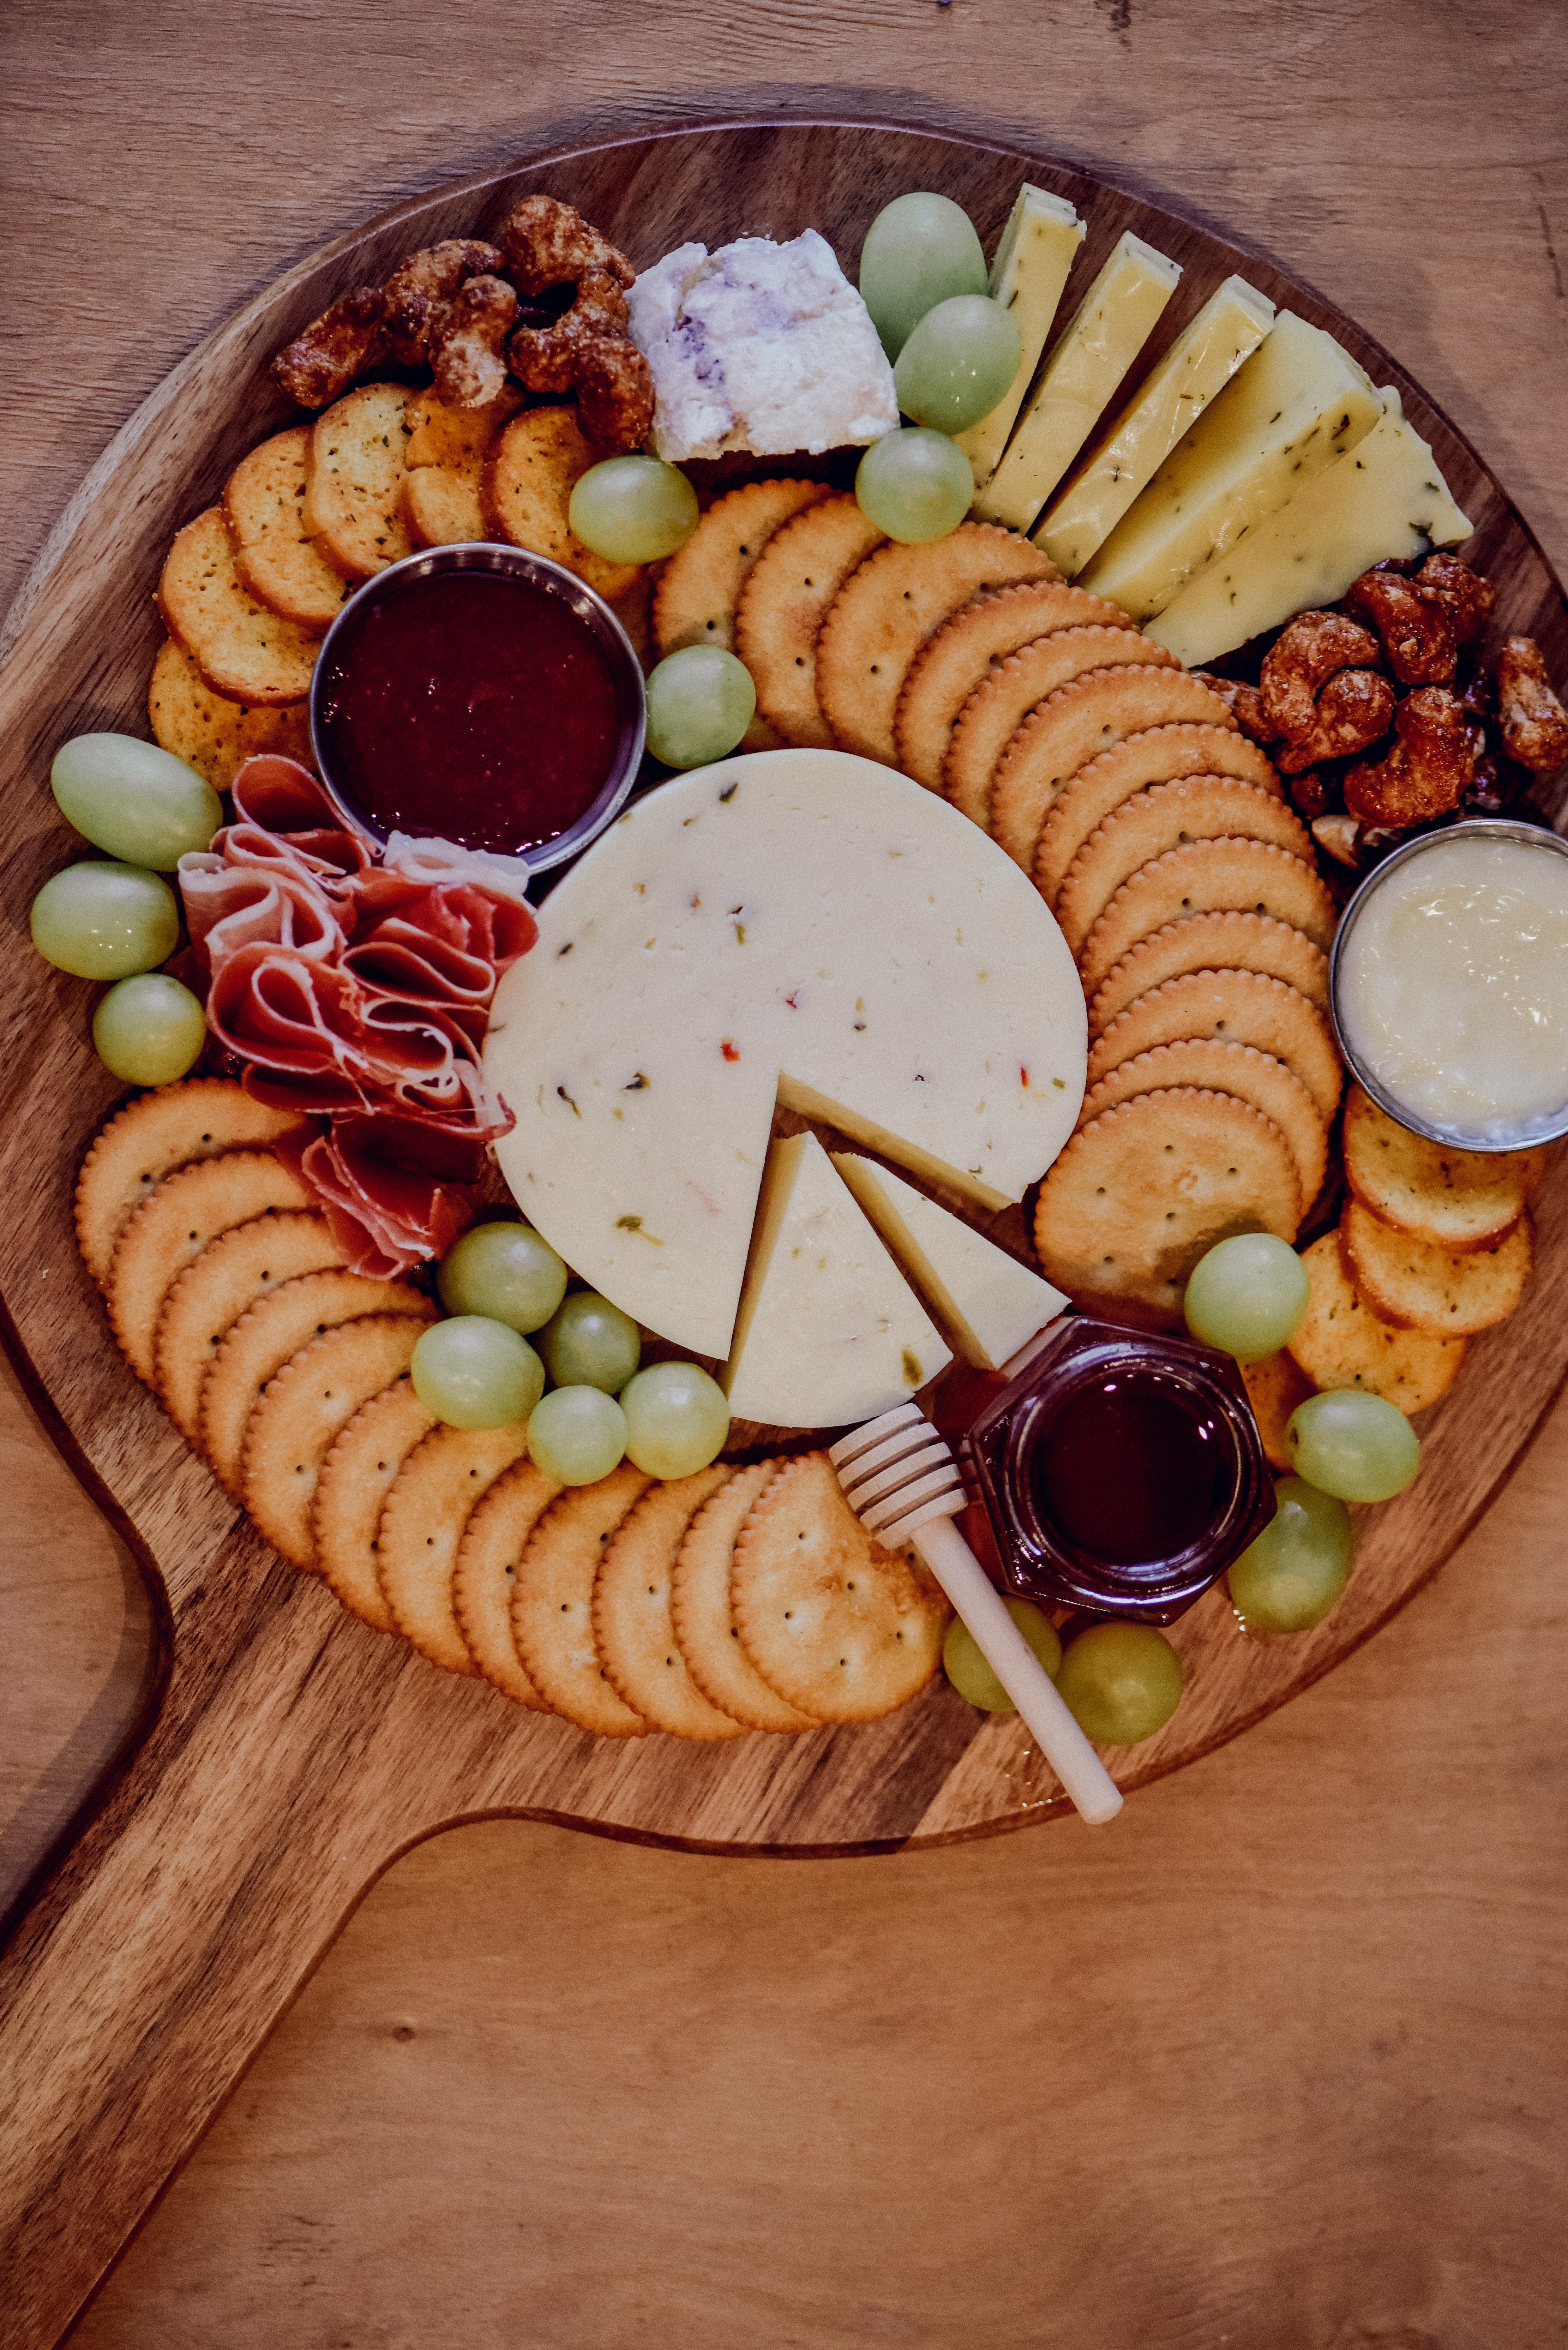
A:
[1386,497]
[988,1303]
[1298,403]
[1199,363]
[1038,248]
[1079,380]
[828,1332]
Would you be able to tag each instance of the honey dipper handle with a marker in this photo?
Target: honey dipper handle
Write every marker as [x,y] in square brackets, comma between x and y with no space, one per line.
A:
[1018,1669]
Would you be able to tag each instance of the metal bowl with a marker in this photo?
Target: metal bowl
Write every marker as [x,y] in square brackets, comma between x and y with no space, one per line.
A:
[515,562]
[1529,835]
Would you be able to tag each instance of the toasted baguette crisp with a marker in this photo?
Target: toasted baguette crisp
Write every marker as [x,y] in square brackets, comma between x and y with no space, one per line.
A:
[1340,1342]
[208,731]
[354,481]
[446,460]
[241,649]
[527,488]
[264,505]
[1454,1200]
[1415,1286]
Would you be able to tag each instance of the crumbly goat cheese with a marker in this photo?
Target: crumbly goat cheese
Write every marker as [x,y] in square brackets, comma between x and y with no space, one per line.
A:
[760,346]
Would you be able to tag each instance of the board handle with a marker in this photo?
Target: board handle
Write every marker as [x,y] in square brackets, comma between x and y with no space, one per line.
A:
[162,1947]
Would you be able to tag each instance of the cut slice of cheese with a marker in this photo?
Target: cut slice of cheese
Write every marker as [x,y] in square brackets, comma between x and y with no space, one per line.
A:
[1297,404]
[1386,497]
[829,1332]
[986,1301]
[1079,380]
[1037,249]
[796,925]
[1199,363]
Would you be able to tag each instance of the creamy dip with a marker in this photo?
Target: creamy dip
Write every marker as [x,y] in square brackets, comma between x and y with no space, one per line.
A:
[1451,986]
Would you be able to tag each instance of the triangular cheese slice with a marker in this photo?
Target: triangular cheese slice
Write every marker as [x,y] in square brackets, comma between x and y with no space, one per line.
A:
[828,1332]
[988,1303]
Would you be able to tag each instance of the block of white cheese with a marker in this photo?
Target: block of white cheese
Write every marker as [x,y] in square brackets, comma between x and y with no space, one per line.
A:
[1037,249]
[798,926]
[1297,404]
[1079,380]
[987,1302]
[829,1332]
[759,345]
[1199,363]
[1386,497]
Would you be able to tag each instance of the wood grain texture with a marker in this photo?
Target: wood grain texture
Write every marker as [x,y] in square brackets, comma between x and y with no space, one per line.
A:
[1357,107]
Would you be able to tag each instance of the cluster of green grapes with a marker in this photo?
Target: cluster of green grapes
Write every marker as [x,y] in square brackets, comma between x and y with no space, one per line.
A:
[502,1285]
[115,917]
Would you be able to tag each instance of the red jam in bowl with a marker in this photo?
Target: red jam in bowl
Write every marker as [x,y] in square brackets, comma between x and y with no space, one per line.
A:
[473,704]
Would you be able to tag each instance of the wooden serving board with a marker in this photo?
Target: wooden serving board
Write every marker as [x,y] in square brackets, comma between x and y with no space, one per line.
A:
[287,1754]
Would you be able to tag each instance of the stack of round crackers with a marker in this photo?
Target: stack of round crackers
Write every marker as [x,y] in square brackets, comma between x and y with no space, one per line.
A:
[740,1598]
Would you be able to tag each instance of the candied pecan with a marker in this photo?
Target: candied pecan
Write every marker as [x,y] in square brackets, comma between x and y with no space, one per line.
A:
[419,286]
[1353,709]
[319,365]
[1299,670]
[1338,837]
[1426,771]
[1532,720]
[1414,624]
[1245,704]
[468,341]
[1467,597]
[614,394]
[547,243]
[1312,794]
[547,359]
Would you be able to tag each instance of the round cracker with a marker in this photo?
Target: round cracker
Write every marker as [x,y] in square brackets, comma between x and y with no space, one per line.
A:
[1457,1200]
[1274,1386]
[551,1604]
[356,1478]
[422,1523]
[226,1280]
[526,494]
[171,1227]
[1207,877]
[1209,942]
[701,588]
[214,733]
[1159,754]
[485,1582]
[1340,1342]
[700,1609]
[1216,1066]
[1196,807]
[354,480]
[1138,1196]
[264,505]
[240,648]
[952,663]
[295,1424]
[631,1610]
[839,1626]
[1240,1007]
[1003,700]
[152,1136]
[1413,1286]
[269,1336]
[779,612]
[886,610]
[1077,723]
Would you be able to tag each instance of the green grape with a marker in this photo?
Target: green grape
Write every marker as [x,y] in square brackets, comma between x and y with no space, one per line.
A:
[1293,1574]
[920,250]
[915,484]
[134,800]
[590,1343]
[677,1418]
[1121,1682]
[576,1435]
[1247,1295]
[701,702]
[508,1271]
[633,509]
[102,920]
[958,363]
[473,1372]
[149,1030]
[1352,1444]
[970,1675]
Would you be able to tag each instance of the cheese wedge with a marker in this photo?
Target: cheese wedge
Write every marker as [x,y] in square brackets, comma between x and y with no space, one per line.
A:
[1296,405]
[1037,249]
[797,926]
[988,1303]
[1199,363]
[1386,497]
[1079,380]
[829,1332]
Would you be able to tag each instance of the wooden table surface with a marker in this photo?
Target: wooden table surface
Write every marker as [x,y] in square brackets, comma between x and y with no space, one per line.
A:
[1281,2059]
